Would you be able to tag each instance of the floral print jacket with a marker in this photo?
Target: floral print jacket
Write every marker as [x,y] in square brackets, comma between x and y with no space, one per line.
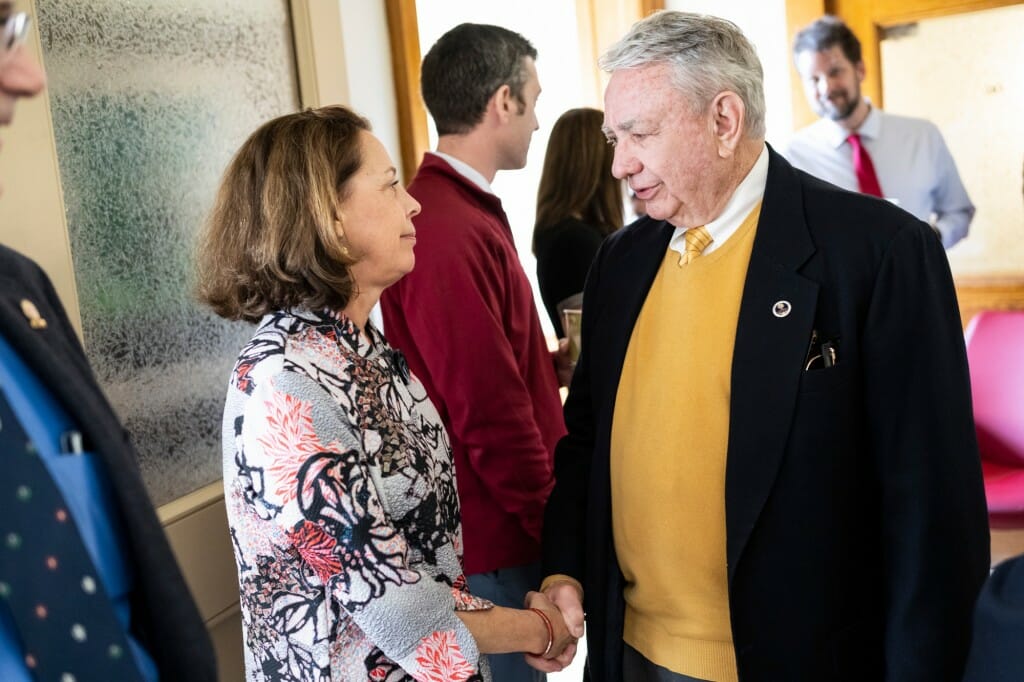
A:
[343,511]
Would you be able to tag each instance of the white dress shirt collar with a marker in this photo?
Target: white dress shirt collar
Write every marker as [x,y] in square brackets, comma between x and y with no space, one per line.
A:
[466,171]
[869,129]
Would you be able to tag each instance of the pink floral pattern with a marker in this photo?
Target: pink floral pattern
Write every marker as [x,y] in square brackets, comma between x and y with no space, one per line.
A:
[317,549]
[440,659]
[288,441]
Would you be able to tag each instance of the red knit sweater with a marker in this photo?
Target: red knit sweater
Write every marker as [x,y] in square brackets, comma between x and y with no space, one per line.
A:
[466,321]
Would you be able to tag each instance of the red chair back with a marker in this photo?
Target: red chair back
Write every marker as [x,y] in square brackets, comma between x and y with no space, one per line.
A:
[995,353]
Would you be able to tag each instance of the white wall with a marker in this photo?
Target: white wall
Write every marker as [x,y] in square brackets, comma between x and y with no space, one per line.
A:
[977,103]
[370,78]
[368,69]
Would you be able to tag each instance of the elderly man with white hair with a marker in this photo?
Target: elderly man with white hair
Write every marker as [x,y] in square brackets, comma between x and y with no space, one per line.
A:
[770,471]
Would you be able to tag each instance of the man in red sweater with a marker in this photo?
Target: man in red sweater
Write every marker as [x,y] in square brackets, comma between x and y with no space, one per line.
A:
[466,318]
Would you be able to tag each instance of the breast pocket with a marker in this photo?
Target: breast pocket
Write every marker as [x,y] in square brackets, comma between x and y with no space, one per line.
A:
[823,380]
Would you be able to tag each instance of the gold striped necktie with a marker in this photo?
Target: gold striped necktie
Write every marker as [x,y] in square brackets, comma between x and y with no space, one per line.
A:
[697,239]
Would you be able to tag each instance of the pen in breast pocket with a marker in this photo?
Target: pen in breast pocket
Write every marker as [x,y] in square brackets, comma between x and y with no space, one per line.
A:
[829,356]
[71,443]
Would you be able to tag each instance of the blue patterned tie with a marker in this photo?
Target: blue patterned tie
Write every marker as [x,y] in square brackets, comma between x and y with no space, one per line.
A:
[64,618]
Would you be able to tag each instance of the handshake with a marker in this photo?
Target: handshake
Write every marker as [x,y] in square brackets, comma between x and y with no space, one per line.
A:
[560,607]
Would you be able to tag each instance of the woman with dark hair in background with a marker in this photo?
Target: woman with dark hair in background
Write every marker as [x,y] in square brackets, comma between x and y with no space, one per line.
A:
[579,203]
[338,475]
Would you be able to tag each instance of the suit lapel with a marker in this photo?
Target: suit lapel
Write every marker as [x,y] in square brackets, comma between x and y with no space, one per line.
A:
[51,355]
[55,356]
[770,348]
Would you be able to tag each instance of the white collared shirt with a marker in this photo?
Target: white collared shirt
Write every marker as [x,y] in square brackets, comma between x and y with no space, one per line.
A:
[913,165]
[740,204]
[466,171]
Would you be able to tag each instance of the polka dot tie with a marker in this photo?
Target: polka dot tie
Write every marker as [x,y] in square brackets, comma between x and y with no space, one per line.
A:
[697,239]
[65,621]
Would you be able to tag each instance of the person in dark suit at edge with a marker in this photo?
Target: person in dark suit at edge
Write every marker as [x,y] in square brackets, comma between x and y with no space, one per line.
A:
[770,471]
[53,411]
[998,626]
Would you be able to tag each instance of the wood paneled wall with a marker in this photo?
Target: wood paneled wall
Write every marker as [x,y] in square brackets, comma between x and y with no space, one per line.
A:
[403,30]
[976,294]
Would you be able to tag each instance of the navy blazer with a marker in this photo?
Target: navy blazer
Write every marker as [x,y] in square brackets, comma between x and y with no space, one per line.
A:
[164,617]
[857,534]
[999,627]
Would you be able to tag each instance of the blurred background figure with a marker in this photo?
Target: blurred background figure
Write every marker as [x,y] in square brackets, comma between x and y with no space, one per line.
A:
[859,147]
[579,203]
[338,474]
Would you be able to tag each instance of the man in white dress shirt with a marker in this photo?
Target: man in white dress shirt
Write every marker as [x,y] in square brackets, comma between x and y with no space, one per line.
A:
[907,160]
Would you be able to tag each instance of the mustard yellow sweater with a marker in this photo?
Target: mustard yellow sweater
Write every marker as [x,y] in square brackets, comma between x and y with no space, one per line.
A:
[669,439]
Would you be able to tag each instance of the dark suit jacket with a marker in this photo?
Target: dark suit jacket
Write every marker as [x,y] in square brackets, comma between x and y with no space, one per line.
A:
[856,525]
[996,651]
[564,254]
[164,617]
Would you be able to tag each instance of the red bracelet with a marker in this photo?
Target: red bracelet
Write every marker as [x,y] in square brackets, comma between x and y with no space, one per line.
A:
[551,631]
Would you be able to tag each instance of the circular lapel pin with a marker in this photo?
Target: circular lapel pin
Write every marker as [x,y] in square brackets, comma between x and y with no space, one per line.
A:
[781,309]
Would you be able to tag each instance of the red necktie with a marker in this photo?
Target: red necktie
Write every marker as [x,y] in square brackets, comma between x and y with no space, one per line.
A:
[863,167]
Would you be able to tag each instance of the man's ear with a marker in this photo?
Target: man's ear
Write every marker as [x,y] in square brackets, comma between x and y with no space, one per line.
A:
[860,70]
[503,103]
[728,116]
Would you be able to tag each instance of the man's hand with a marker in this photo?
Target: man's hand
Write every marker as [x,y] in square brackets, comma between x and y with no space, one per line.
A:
[566,597]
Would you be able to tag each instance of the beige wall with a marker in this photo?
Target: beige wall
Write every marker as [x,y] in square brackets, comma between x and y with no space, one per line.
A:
[975,95]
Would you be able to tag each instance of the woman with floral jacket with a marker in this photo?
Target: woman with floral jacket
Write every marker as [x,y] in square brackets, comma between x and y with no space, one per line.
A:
[338,476]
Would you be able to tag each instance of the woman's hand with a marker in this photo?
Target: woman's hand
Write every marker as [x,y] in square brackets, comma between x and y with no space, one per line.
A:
[565,365]
[563,643]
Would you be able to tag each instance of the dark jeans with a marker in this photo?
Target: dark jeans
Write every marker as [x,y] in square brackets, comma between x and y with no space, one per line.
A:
[636,668]
[508,587]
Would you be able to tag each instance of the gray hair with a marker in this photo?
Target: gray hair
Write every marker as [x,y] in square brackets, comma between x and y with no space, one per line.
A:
[707,55]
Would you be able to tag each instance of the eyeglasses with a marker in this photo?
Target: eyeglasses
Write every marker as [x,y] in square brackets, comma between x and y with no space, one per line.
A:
[13,34]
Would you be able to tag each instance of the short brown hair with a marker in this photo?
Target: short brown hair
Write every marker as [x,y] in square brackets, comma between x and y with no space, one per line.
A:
[465,67]
[577,178]
[270,242]
[825,32]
